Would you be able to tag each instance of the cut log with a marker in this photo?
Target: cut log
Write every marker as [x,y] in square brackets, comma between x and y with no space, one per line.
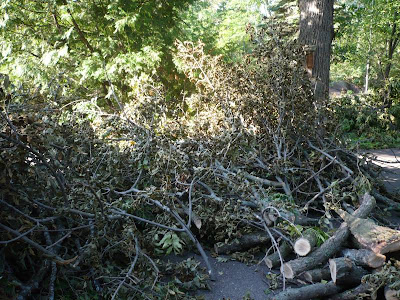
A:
[306,243]
[273,260]
[391,294]
[317,275]
[330,247]
[365,257]
[352,294]
[317,290]
[243,243]
[339,267]
[345,272]
[378,239]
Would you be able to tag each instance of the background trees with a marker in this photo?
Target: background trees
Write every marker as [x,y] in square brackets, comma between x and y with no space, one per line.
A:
[91,41]
[316,33]
[367,34]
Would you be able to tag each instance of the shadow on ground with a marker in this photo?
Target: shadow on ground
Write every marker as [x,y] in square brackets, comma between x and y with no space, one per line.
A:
[234,280]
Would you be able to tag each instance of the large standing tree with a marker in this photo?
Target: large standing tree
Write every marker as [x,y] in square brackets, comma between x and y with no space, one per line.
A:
[316,33]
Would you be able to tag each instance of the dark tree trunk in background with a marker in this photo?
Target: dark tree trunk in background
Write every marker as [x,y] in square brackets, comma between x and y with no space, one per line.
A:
[316,34]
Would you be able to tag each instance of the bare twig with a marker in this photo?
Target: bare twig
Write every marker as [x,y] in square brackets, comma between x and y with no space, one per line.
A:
[137,250]
[211,195]
[46,252]
[56,175]
[20,236]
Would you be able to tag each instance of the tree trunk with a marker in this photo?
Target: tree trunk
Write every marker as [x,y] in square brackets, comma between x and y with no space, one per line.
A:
[316,33]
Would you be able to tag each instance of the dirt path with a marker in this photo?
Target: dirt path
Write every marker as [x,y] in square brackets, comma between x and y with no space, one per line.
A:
[234,280]
[389,160]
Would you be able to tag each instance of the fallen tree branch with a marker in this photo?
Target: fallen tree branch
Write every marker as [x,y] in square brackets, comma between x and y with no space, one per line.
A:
[389,203]
[137,251]
[365,257]
[46,252]
[306,243]
[316,275]
[345,272]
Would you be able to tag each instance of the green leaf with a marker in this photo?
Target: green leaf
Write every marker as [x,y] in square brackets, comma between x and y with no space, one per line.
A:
[68,33]
[47,57]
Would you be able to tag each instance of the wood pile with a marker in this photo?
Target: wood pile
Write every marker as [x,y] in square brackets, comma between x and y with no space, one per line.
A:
[334,270]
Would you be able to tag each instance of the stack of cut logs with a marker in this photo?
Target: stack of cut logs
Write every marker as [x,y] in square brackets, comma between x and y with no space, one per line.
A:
[342,269]
[334,270]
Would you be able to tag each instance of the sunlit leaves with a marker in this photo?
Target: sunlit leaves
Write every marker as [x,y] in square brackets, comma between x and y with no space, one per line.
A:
[83,39]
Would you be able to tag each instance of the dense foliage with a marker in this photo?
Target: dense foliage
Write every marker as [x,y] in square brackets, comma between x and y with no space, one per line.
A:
[125,138]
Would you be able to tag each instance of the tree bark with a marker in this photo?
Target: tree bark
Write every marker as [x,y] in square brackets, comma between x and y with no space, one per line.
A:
[316,275]
[316,33]
[365,257]
[353,293]
[243,243]
[273,260]
[317,290]
[378,239]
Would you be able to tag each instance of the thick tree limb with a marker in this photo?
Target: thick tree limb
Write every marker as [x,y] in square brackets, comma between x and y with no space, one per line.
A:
[273,260]
[365,257]
[317,290]
[345,272]
[352,294]
[317,275]
[306,243]
[377,238]
[243,243]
